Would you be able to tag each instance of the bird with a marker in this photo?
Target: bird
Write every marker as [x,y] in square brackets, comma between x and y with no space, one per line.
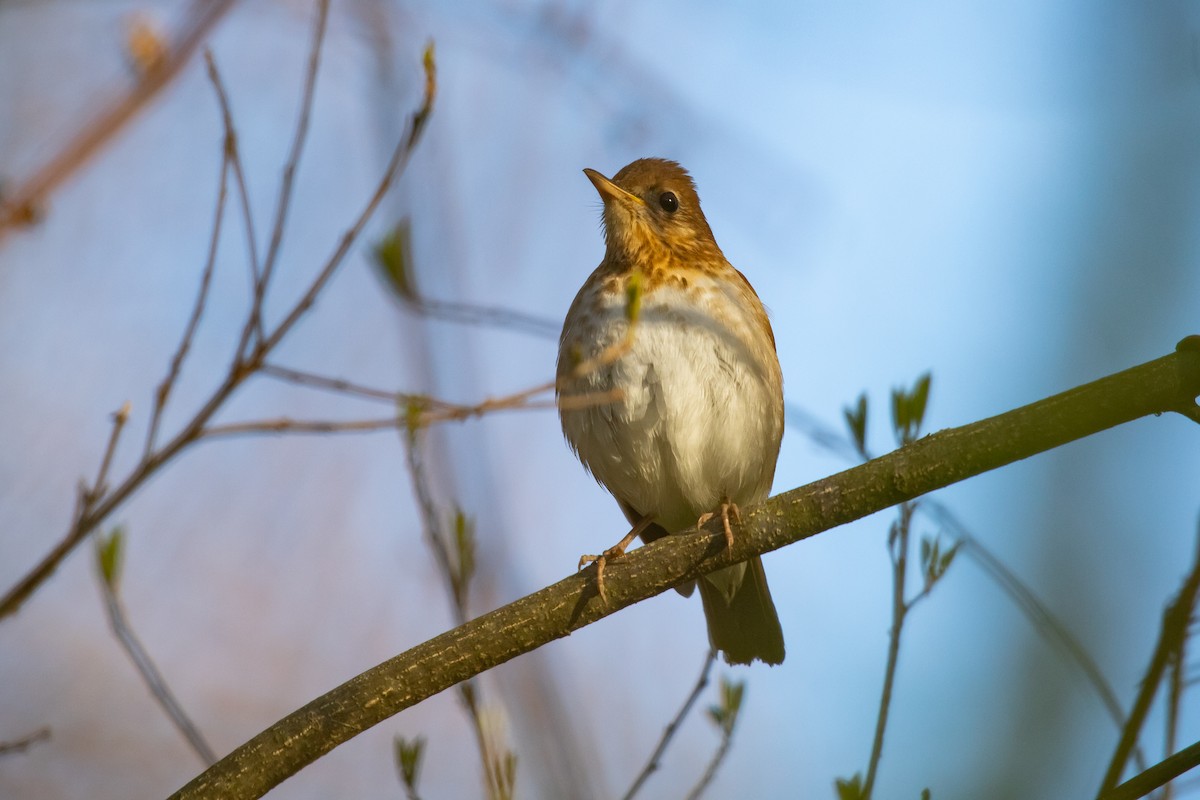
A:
[669,389]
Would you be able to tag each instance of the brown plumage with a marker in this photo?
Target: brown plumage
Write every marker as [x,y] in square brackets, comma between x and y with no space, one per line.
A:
[696,430]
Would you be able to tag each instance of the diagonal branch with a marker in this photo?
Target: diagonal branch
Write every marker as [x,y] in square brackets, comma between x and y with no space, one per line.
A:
[1171,637]
[26,203]
[1170,383]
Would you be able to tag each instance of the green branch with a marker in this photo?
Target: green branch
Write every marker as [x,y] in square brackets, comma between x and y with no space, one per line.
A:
[1170,383]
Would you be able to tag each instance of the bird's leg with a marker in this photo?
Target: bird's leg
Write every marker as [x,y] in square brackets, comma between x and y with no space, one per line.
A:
[727,508]
[616,550]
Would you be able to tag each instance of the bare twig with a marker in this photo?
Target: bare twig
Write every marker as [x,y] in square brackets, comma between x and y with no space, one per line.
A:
[234,155]
[898,551]
[338,385]
[100,485]
[185,343]
[255,324]
[145,666]
[90,516]
[27,200]
[486,316]
[25,742]
[456,571]
[668,734]
[1161,774]
[316,426]
[425,411]
[725,716]
[1175,622]
[1175,690]
[395,165]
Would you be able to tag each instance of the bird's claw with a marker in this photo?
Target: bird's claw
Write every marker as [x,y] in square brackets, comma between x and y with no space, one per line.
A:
[600,561]
[726,509]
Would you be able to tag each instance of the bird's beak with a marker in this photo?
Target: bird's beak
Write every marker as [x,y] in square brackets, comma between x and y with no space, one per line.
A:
[610,191]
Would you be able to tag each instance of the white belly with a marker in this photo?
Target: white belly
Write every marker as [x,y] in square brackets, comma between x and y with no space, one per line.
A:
[699,419]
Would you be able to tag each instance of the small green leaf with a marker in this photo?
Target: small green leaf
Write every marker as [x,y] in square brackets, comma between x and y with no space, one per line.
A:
[947,559]
[110,553]
[856,420]
[414,414]
[919,398]
[851,789]
[393,258]
[908,410]
[464,545]
[926,794]
[408,753]
[724,716]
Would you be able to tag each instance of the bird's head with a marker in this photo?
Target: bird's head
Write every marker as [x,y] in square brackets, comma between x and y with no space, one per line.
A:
[652,211]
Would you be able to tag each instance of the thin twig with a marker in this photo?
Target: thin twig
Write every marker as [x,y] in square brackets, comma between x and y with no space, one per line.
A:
[285,425]
[456,578]
[730,712]
[898,551]
[338,385]
[485,316]
[234,155]
[27,201]
[255,324]
[99,486]
[430,412]
[239,371]
[1175,691]
[1175,622]
[25,742]
[395,165]
[668,734]
[1036,611]
[152,676]
[1161,774]
[185,343]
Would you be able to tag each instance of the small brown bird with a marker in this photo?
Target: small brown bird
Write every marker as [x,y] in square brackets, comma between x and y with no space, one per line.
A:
[695,425]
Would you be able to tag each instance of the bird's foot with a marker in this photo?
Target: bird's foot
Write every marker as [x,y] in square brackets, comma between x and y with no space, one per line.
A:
[616,551]
[726,509]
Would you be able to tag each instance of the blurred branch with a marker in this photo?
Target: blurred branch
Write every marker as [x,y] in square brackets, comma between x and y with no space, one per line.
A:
[456,568]
[898,551]
[25,742]
[487,316]
[26,203]
[1026,600]
[185,343]
[908,417]
[337,385]
[932,462]
[233,156]
[109,554]
[1160,774]
[669,733]
[1175,691]
[91,514]
[423,411]
[725,716]
[1175,622]
[394,262]
[254,325]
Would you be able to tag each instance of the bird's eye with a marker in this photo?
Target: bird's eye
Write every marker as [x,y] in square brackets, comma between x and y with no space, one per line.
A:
[669,202]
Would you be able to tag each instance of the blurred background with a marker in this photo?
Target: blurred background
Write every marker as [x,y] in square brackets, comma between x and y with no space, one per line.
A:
[1003,196]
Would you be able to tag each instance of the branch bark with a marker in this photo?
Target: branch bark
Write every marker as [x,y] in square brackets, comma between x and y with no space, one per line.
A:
[1170,383]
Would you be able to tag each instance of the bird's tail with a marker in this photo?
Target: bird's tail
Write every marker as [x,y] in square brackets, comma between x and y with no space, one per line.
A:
[746,626]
